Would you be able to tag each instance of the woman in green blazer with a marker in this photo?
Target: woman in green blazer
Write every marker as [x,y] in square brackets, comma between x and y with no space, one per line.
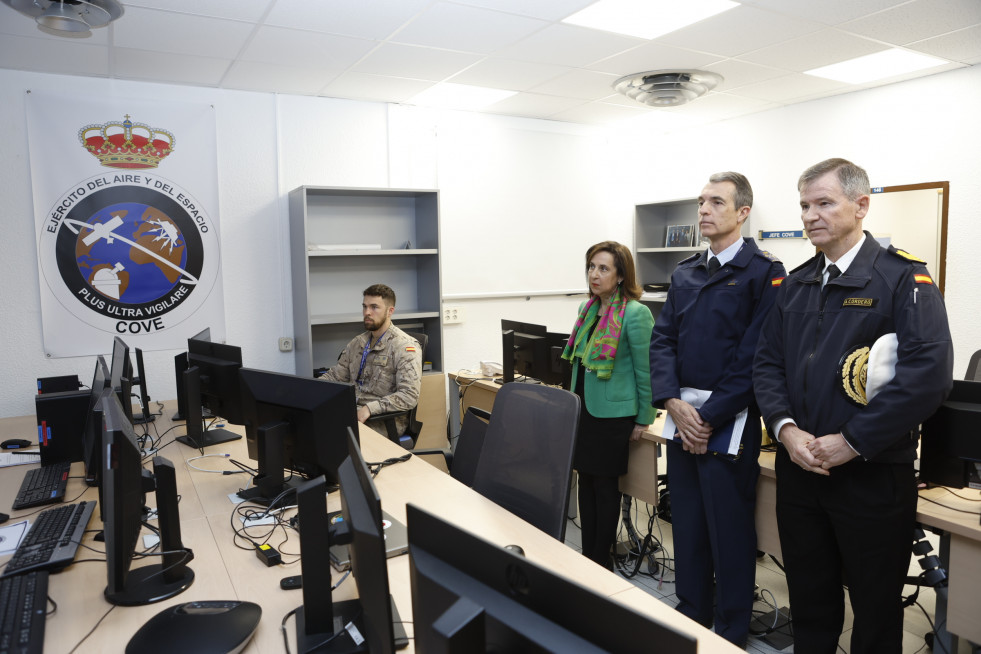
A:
[609,350]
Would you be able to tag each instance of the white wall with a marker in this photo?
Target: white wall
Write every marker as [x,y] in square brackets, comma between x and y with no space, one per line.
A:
[570,185]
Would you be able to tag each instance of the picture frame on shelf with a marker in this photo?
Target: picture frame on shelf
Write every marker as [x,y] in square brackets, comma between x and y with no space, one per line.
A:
[680,236]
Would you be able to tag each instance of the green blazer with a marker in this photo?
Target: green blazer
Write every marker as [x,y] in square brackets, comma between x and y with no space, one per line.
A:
[628,390]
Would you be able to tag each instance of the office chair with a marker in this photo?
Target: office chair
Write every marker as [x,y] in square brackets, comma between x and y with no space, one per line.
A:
[462,459]
[525,464]
[408,439]
[974,367]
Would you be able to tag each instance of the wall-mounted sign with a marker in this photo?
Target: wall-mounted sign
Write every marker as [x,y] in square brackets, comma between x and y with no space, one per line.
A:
[790,234]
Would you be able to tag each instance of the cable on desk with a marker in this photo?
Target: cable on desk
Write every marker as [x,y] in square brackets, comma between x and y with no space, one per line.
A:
[966,499]
[204,456]
[54,607]
[947,506]
[91,631]
[375,468]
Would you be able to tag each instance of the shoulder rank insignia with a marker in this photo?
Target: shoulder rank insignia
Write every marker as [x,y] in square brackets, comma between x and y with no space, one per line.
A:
[766,254]
[906,255]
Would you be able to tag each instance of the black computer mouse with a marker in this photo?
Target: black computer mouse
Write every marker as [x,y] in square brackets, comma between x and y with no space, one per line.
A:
[15,444]
[206,627]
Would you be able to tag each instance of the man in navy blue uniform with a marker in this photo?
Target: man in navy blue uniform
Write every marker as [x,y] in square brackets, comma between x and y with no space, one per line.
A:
[846,495]
[702,353]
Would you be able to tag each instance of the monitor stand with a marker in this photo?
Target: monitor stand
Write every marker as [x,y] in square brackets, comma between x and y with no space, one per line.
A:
[208,437]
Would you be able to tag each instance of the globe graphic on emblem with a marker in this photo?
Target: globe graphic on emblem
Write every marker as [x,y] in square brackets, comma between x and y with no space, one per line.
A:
[122,272]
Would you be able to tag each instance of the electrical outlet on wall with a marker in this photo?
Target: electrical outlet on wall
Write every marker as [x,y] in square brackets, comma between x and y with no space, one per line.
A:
[285,344]
[453,314]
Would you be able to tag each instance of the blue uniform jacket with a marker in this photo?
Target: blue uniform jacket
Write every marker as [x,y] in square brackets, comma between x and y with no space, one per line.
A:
[796,372]
[706,334]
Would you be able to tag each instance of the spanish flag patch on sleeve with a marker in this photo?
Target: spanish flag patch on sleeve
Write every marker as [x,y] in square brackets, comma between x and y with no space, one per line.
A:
[410,348]
[922,279]
[776,281]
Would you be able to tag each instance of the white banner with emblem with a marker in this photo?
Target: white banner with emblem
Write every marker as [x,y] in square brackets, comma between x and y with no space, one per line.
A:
[126,210]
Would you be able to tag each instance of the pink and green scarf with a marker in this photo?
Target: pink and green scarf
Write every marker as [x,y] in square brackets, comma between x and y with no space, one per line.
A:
[598,354]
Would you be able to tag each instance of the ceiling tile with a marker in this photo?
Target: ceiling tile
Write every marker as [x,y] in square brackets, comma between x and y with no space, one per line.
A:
[180,33]
[917,20]
[533,105]
[258,76]
[247,10]
[168,67]
[507,74]
[57,55]
[359,86]
[468,29]
[738,30]
[583,84]
[829,12]
[963,45]
[829,46]
[569,45]
[736,73]
[652,56]
[544,9]
[786,88]
[286,47]
[377,19]
[721,106]
[415,62]
[599,113]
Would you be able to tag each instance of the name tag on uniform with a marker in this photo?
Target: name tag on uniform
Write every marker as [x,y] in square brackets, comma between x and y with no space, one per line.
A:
[381,360]
[860,302]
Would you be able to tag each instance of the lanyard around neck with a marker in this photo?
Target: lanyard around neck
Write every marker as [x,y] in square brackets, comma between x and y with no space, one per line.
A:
[364,355]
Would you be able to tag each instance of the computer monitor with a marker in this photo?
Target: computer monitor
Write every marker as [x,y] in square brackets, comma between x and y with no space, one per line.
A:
[525,351]
[320,621]
[471,596]
[125,483]
[211,380]
[180,365]
[92,436]
[121,375]
[294,423]
[140,381]
[559,371]
[950,451]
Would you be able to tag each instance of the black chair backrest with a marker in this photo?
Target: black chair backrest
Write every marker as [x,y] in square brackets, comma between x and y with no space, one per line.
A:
[469,444]
[525,464]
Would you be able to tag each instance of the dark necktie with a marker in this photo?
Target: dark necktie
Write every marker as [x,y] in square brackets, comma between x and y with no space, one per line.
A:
[714,265]
[833,273]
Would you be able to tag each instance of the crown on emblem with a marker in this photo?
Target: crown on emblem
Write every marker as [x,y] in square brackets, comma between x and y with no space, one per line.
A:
[127,144]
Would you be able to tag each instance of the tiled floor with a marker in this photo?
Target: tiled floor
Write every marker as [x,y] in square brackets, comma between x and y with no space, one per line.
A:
[772,586]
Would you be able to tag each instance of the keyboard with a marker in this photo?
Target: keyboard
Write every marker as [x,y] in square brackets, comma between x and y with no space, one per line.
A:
[52,540]
[23,605]
[44,485]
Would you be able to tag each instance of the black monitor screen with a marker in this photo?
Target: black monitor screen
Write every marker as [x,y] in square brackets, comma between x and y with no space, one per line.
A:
[218,365]
[470,596]
[121,375]
[525,351]
[125,483]
[950,452]
[295,423]
[92,437]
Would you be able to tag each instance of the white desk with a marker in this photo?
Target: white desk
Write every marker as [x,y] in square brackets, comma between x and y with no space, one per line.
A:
[223,571]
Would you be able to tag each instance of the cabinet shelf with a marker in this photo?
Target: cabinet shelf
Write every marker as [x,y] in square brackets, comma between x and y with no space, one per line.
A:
[370,253]
[328,284]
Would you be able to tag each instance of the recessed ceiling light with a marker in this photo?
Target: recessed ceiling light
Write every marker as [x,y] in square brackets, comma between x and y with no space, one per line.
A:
[646,19]
[880,65]
[460,96]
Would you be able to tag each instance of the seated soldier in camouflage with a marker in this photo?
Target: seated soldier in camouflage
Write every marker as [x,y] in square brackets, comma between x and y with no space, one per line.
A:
[384,363]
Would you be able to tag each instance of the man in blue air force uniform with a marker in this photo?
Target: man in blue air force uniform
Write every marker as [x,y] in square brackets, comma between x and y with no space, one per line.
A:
[701,372]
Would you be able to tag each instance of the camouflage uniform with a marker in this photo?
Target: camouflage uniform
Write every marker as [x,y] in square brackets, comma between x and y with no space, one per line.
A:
[392,374]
